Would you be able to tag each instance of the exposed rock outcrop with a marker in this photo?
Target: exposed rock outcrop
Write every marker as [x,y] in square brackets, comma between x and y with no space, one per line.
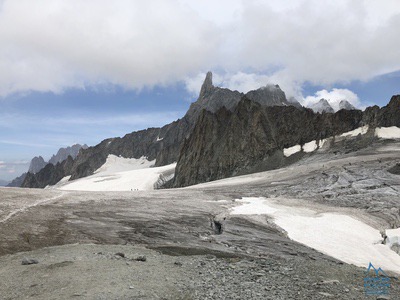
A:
[251,138]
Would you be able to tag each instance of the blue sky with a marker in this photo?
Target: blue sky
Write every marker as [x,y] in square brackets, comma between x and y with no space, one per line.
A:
[80,72]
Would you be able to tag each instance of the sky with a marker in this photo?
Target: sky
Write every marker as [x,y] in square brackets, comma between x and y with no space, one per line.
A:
[81,71]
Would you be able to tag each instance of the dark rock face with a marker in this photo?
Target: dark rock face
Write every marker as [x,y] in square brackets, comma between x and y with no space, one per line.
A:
[386,116]
[37,163]
[49,175]
[251,138]
[389,115]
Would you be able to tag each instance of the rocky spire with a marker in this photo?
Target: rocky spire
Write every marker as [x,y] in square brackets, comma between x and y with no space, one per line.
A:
[207,85]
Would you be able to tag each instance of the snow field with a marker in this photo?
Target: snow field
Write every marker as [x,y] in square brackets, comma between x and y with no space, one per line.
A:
[337,235]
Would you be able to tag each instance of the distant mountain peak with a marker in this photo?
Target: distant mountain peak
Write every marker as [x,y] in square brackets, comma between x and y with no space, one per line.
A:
[63,153]
[322,106]
[37,163]
[344,104]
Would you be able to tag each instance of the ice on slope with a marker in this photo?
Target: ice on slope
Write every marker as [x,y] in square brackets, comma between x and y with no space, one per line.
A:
[307,147]
[115,164]
[355,132]
[393,236]
[337,235]
[388,132]
[310,146]
[119,174]
[291,150]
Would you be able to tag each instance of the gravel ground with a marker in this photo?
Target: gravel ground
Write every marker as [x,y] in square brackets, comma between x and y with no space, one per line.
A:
[114,272]
[194,249]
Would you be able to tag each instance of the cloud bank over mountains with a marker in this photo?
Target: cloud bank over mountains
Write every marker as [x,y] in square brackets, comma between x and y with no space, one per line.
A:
[55,45]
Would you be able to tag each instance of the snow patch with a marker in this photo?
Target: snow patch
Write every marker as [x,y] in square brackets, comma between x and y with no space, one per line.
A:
[115,164]
[355,132]
[291,150]
[159,139]
[388,132]
[337,235]
[307,147]
[310,146]
[120,174]
[393,237]
[140,179]
[322,143]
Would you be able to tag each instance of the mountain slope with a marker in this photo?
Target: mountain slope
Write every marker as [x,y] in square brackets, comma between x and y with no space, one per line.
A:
[162,144]
[252,137]
[224,133]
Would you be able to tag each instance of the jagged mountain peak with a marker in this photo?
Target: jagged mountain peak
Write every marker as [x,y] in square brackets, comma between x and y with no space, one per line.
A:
[322,106]
[63,153]
[37,163]
[213,98]
[344,104]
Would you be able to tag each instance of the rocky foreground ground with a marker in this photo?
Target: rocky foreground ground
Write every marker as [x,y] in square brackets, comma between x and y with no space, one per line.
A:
[184,244]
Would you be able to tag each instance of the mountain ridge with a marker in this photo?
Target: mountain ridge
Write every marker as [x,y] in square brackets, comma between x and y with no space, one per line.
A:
[167,144]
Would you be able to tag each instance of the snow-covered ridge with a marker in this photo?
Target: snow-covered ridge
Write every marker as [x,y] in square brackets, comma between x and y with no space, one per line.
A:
[120,174]
[337,235]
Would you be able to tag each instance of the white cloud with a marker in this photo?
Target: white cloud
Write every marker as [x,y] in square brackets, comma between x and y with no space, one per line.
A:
[334,97]
[10,169]
[50,45]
